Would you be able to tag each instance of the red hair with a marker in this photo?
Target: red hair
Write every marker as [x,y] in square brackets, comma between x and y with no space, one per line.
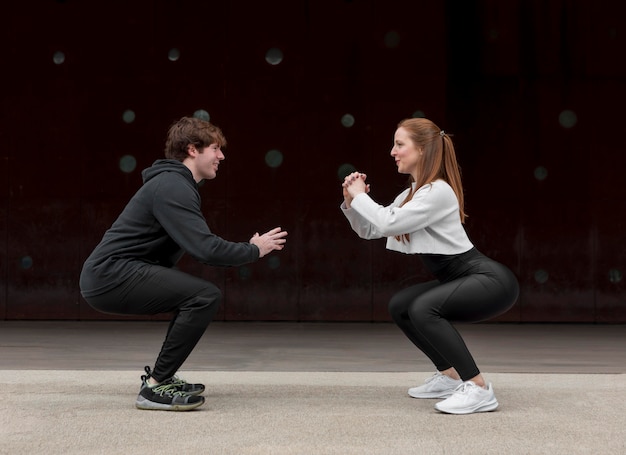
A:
[438,159]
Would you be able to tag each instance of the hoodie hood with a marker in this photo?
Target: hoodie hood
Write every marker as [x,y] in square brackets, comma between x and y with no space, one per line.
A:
[160,166]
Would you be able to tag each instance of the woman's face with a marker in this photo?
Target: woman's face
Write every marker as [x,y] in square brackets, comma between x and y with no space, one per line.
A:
[405,153]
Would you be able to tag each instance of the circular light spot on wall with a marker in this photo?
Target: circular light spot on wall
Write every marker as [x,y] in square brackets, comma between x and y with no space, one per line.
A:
[128,163]
[26,262]
[273,262]
[347,120]
[541,276]
[419,114]
[541,173]
[128,116]
[173,54]
[274,158]
[615,276]
[58,58]
[568,118]
[274,56]
[202,115]
[392,39]
[244,273]
[345,170]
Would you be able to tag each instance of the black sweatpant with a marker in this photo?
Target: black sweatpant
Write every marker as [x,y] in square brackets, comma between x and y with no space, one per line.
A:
[470,287]
[155,289]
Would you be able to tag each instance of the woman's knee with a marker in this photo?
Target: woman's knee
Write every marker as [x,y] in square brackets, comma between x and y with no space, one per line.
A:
[422,310]
[403,300]
[397,307]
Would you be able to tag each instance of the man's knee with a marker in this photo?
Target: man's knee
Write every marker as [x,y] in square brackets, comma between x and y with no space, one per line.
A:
[209,297]
[211,292]
[203,300]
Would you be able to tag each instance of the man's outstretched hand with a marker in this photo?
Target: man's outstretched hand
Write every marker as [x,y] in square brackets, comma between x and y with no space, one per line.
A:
[270,241]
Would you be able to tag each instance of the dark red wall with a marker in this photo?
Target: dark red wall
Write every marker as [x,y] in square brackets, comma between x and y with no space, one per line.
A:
[534,93]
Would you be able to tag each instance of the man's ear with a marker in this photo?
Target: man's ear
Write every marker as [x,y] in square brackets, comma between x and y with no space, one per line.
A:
[191,150]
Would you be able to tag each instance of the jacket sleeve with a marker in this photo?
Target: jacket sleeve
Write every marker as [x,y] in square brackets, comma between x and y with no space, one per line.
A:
[363,225]
[176,206]
[359,224]
[428,206]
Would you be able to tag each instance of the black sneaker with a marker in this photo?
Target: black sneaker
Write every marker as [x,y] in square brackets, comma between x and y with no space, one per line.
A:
[184,386]
[179,383]
[165,397]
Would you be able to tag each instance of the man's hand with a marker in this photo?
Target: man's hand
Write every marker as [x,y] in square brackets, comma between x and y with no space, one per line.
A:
[270,241]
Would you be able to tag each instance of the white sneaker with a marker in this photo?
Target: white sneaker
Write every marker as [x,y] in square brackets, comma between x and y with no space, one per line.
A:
[469,398]
[437,386]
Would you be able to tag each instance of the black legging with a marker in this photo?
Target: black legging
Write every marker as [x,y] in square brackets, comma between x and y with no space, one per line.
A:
[155,290]
[470,288]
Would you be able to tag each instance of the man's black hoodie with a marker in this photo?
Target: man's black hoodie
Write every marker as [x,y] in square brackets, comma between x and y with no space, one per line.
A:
[159,224]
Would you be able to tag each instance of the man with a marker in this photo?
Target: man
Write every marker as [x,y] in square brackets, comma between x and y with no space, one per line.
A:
[131,271]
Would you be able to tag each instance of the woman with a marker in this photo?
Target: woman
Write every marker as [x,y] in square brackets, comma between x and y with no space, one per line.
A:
[427,220]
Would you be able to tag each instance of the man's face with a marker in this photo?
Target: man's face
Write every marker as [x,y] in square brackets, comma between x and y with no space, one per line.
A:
[208,160]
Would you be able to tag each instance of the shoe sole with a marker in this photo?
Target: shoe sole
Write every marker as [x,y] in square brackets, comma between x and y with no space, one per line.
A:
[486,407]
[148,405]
